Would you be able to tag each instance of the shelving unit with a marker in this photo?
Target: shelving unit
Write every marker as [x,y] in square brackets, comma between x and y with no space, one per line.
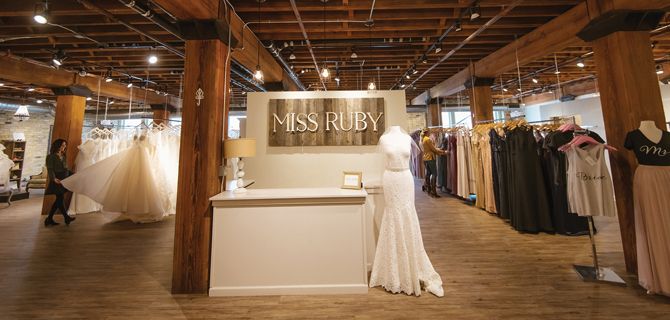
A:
[16,151]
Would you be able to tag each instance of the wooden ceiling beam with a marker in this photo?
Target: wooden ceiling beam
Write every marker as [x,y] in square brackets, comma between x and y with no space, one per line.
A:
[557,34]
[249,46]
[22,71]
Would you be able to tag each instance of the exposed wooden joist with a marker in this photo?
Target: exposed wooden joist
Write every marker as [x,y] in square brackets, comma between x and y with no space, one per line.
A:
[557,34]
[23,71]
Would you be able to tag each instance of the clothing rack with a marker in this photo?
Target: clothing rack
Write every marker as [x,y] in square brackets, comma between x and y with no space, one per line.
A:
[596,273]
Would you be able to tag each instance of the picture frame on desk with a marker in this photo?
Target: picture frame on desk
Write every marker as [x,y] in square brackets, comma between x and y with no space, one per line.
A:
[352,180]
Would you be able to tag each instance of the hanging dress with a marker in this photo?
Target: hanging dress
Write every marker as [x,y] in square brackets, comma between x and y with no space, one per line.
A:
[88,152]
[590,190]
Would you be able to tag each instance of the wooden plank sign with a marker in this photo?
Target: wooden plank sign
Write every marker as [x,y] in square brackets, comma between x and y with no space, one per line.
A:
[325,122]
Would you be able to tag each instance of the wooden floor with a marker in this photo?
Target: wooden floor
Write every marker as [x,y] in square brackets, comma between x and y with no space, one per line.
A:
[94,270]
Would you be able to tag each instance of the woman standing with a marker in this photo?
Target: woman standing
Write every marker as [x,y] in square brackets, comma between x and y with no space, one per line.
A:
[57,170]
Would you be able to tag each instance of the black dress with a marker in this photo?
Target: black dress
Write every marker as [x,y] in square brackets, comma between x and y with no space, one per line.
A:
[500,169]
[529,210]
[564,221]
[56,168]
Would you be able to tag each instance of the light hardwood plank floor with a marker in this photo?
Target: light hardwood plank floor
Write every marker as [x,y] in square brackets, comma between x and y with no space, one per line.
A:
[96,270]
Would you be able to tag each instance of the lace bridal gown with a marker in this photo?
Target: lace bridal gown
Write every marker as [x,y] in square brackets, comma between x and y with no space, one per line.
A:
[124,184]
[401,263]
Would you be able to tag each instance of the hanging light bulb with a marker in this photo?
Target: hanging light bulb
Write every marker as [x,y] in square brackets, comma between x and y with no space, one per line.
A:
[258,75]
[153,59]
[372,86]
[41,12]
[325,73]
[21,113]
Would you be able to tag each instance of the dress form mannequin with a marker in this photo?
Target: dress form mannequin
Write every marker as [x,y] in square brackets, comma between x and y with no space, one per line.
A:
[649,129]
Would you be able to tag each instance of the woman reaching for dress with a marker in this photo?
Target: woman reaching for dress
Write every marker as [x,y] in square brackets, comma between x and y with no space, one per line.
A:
[57,170]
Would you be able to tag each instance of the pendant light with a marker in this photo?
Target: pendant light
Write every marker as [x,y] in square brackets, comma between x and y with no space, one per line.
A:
[325,73]
[22,113]
[258,74]
[41,12]
[371,85]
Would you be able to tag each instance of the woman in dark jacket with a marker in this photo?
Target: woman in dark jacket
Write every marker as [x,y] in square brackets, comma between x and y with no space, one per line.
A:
[57,170]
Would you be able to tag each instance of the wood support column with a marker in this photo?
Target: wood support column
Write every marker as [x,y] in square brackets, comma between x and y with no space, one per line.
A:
[434,115]
[481,103]
[68,124]
[160,116]
[205,113]
[629,93]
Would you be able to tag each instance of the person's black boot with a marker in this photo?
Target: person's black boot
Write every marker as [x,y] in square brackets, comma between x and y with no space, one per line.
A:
[50,222]
[69,219]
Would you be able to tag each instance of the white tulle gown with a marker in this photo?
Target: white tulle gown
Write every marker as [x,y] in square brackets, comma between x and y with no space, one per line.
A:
[124,184]
[401,263]
[88,154]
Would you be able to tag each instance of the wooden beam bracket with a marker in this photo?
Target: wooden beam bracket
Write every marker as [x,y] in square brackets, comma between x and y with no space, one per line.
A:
[479,82]
[73,90]
[208,29]
[621,20]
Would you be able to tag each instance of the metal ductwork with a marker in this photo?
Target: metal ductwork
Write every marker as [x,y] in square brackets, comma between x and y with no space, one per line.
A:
[158,20]
[275,52]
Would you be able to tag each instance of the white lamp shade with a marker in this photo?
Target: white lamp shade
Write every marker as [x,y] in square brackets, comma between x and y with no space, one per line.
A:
[239,148]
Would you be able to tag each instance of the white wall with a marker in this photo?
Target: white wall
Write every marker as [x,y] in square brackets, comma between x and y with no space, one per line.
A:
[588,107]
[320,166]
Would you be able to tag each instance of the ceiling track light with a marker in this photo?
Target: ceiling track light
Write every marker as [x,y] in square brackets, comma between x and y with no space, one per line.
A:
[475,12]
[438,48]
[292,56]
[424,59]
[580,63]
[108,76]
[457,26]
[535,80]
[130,82]
[407,76]
[30,89]
[58,58]
[41,12]
[354,55]
[414,71]
[659,69]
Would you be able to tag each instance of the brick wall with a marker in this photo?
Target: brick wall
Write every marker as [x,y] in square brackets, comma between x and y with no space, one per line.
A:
[36,130]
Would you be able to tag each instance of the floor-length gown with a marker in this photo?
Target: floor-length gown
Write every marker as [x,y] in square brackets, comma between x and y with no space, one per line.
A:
[88,152]
[123,183]
[401,263]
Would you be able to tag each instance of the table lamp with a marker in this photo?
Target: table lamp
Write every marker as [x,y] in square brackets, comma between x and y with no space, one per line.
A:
[234,150]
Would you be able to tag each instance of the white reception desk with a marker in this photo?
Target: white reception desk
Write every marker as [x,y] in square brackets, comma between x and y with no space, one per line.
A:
[288,241]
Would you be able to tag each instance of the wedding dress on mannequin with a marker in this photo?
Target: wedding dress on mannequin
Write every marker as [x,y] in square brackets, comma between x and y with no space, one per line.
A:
[124,184]
[5,165]
[401,263]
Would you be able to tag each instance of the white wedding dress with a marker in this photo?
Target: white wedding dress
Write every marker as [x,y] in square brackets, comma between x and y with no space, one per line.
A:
[124,184]
[87,156]
[401,263]
[6,164]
